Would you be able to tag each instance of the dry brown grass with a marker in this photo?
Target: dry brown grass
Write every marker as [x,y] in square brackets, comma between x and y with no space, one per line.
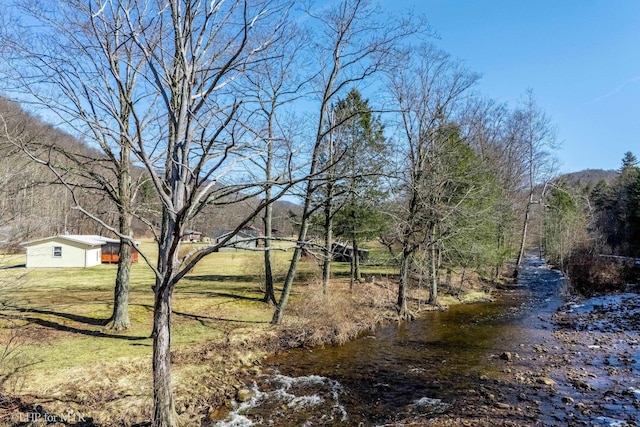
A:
[340,315]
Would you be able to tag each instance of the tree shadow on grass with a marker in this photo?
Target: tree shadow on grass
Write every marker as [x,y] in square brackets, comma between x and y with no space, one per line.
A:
[221,278]
[76,318]
[13,267]
[202,319]
[213,294]
[300,276]
[65,328]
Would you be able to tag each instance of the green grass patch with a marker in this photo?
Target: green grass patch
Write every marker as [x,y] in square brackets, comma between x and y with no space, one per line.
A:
[59,315]
[62,312]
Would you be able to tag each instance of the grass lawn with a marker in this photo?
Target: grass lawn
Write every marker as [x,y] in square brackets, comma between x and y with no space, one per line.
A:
[64,310]
[56,351]
[53,321]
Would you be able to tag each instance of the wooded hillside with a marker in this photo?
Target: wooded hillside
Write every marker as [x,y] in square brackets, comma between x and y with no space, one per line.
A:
[35,204]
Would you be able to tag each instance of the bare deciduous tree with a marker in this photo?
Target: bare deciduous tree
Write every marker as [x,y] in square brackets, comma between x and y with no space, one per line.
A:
[81,51]
[536,137]
[272,86]
[352,42]
[183,114]
[428,94]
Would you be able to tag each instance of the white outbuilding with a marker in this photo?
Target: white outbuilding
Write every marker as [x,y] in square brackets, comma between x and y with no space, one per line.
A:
[66,251]
[244,239]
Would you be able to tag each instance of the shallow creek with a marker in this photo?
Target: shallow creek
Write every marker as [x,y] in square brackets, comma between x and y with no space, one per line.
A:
[471,362]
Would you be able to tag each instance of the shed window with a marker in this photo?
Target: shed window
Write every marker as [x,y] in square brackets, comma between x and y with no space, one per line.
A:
[57,251]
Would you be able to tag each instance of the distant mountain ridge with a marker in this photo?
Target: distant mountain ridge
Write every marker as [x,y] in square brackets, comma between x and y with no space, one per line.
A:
[588,177]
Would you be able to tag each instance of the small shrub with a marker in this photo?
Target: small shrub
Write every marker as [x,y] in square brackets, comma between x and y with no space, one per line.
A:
[12,361]
[591,274]
[339,316]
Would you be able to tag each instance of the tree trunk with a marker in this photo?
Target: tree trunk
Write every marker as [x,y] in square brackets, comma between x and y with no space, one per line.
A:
[464,271]
[306,210]
[433,294]
[278,314]
[269,292]
[523,238]
[164,414]
[541,237]
[352,270]
[356,261]
[120,317]
[499,244]
[327,253]
[405,262]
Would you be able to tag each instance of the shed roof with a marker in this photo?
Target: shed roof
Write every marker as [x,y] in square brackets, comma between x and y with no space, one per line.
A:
[85,239]
[242,234]
[186,232]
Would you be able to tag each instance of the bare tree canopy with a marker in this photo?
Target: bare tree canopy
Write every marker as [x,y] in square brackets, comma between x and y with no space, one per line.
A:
[163,90]
[182,107]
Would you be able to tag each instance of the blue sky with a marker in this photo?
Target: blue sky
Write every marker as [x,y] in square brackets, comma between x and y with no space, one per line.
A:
[580,57]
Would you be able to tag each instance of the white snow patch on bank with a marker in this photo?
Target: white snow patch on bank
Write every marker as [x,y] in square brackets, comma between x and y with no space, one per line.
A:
[610,422]
[424,401]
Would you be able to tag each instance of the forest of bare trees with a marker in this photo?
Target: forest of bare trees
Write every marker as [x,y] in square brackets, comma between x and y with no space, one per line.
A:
[176,114]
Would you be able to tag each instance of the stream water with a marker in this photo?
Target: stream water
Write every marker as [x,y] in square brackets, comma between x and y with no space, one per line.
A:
[415,370]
